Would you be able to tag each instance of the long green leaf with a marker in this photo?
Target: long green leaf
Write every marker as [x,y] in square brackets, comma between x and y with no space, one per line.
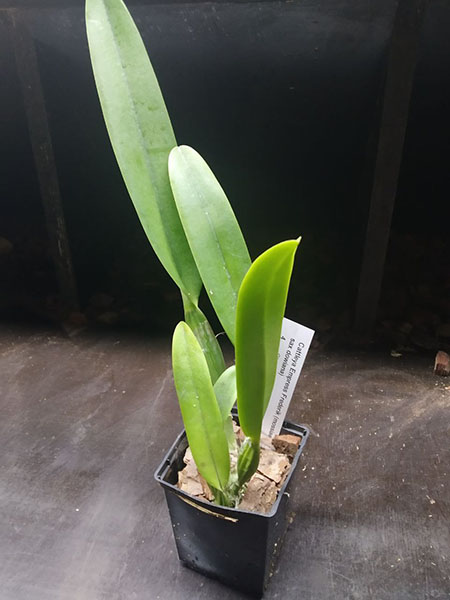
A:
[212,231]
[260,311]
[141,133]
[205,336]
[199,408]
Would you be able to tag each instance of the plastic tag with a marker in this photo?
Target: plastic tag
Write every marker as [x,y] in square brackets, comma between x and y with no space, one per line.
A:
[294,346]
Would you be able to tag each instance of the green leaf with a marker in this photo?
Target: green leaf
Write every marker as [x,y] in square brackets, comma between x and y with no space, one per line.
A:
[141,133]
[212,231]
[259,316]
[201,414]
[225,390]
[206,338]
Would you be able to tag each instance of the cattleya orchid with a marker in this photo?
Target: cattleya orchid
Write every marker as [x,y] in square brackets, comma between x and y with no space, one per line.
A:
[193,230]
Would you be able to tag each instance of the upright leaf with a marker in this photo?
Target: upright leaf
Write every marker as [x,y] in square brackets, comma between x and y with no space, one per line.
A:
[141,133]
[260,310]
[212,231]
[199,408]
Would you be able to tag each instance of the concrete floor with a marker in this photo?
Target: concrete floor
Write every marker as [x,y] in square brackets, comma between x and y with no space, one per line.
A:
[85,422]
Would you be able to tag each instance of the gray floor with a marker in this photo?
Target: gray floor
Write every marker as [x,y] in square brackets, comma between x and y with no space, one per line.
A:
[85,422]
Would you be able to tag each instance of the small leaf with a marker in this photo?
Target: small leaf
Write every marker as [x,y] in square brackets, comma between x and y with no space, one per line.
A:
[141,133]
[260,311]
[225,390]
[201,414]
[248,460]
[229,433]
[212,231]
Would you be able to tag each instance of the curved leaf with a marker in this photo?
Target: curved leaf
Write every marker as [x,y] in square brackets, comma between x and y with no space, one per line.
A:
[199,408]
[141,133]
[260,310]
[212,230]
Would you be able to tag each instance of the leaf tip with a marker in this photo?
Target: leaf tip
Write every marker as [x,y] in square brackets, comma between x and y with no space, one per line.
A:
[173,153]
[180,329]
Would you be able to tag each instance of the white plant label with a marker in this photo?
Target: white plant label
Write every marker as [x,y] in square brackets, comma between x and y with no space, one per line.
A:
[294,346]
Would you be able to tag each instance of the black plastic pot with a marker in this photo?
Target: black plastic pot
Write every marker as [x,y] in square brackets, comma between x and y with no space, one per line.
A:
[237,547]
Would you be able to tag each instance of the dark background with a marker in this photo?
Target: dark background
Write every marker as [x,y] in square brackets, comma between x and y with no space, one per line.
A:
[282,99]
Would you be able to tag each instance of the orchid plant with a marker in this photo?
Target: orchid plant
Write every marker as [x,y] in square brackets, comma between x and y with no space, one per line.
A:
[194,232]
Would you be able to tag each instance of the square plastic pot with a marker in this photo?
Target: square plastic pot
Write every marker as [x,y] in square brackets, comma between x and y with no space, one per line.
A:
[237,547]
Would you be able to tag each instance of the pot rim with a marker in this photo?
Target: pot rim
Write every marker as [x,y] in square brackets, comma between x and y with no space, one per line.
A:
[288,427]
